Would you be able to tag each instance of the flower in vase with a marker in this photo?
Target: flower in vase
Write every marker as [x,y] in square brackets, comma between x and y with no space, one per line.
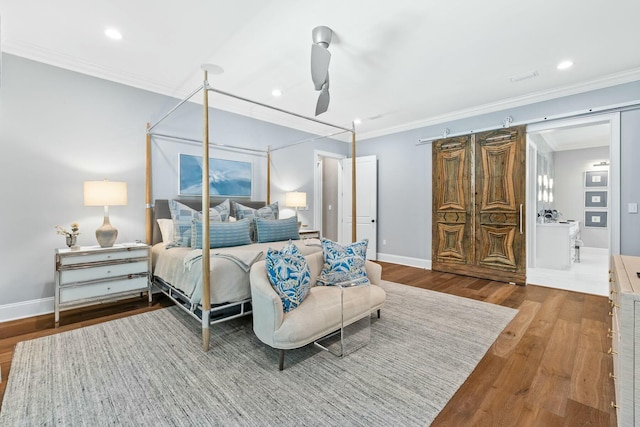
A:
[74,230]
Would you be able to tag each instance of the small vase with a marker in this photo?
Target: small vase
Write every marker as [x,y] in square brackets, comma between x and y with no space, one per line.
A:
[71,240]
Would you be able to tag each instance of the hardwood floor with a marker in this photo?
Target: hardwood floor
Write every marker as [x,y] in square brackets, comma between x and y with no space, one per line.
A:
[549,367]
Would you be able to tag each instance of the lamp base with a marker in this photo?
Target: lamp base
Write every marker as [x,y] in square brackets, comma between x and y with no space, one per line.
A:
[106,234]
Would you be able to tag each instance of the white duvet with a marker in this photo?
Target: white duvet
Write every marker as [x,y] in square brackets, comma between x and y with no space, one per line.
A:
[182,268]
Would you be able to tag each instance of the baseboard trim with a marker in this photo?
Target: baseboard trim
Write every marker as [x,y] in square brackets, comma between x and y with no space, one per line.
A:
[403,260]
[20,310]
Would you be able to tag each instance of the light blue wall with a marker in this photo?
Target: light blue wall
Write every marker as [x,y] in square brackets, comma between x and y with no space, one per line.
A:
[630,178]
[404,180]
[59,128]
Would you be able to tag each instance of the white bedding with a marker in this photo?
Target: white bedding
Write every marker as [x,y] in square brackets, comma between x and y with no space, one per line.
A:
[182,268]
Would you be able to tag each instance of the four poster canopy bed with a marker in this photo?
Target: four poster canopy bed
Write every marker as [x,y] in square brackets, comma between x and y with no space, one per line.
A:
[211,281]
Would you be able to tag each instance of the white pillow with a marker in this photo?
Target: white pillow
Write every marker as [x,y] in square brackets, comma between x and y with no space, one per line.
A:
[232,219]
[166,230]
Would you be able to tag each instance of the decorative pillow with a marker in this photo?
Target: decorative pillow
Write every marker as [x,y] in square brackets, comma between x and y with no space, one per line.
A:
[266,212]
[221,234]
[166,229]
[343,263]
[217,213]
[289,275]
[181,216]
[275,230]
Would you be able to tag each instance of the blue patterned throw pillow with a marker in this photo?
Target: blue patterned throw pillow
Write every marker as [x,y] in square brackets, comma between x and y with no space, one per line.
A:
[182,216]
[266,212]
[289,275]
[217,213]
[343,263]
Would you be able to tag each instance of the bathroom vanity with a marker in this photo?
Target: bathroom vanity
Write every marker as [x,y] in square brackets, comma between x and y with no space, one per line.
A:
[555,244]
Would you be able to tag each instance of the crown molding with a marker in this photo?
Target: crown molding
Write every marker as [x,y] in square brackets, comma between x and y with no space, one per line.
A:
[599,83]
[73,63]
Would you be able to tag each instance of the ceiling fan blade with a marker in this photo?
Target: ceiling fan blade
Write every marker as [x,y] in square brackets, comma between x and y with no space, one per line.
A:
[320,58]
[323,100]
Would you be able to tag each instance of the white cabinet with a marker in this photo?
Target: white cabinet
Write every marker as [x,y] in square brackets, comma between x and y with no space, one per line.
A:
[625,337]
[93,274]
[555,245]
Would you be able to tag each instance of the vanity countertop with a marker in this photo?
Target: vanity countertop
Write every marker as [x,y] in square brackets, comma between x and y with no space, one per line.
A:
[558,224]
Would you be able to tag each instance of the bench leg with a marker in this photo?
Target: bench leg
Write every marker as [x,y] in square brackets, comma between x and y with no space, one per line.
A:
[281,362]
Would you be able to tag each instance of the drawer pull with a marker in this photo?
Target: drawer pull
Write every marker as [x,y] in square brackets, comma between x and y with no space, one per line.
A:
[613,377]
[610,351]
[612,292]
[613,405]
[613,304]
[610,280]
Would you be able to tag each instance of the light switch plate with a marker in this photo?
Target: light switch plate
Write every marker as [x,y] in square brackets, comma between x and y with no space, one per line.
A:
[632,208]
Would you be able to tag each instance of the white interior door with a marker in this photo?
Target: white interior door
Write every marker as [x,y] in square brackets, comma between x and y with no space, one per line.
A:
[366,202]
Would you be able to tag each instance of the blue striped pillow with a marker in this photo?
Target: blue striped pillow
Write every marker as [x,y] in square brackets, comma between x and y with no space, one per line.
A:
[221,234]
[182,216]
[275,230]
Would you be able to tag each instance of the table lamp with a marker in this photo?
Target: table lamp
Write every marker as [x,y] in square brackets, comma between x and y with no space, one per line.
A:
[105,193]
[296,199]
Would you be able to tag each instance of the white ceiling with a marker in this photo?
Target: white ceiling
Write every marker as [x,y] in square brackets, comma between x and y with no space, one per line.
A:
[575,137]
[397,65]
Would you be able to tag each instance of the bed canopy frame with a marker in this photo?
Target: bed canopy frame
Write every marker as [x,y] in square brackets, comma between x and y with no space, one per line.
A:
[206,88]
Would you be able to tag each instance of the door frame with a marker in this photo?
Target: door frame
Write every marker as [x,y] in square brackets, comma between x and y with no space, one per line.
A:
[317,189]
[532,204]
[614,167]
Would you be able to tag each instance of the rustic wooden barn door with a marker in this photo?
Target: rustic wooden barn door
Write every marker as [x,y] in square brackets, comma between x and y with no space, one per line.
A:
[452,207]
[484,235]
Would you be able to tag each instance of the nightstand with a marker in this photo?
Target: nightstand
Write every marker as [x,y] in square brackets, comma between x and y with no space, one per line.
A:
[309,234]
[92,274]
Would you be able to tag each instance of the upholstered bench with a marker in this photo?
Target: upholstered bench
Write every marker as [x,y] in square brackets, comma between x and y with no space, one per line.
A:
[318,315]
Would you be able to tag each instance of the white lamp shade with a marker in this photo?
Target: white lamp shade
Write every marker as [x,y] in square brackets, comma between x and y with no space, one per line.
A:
[295,199]
[105,193]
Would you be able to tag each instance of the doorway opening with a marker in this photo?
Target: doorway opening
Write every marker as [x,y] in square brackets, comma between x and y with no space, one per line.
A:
[573,196]
[327,183]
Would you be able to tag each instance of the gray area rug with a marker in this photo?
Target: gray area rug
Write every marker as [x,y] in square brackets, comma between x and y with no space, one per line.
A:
[149,369]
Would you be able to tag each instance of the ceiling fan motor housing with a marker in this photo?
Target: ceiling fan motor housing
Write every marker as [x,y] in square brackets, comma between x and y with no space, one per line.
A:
[322,35]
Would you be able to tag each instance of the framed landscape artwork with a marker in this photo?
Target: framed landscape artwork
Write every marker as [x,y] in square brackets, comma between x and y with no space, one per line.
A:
[595,199]
[226,177]
[596,179]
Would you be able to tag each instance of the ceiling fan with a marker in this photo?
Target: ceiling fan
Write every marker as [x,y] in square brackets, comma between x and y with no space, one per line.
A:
[320,58]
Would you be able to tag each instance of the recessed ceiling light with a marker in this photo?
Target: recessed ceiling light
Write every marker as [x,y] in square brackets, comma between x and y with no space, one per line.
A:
[357,121]
[565,65]
[112,33]
[276,92]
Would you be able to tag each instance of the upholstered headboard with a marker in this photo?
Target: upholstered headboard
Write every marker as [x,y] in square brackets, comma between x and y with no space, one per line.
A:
[161,210]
